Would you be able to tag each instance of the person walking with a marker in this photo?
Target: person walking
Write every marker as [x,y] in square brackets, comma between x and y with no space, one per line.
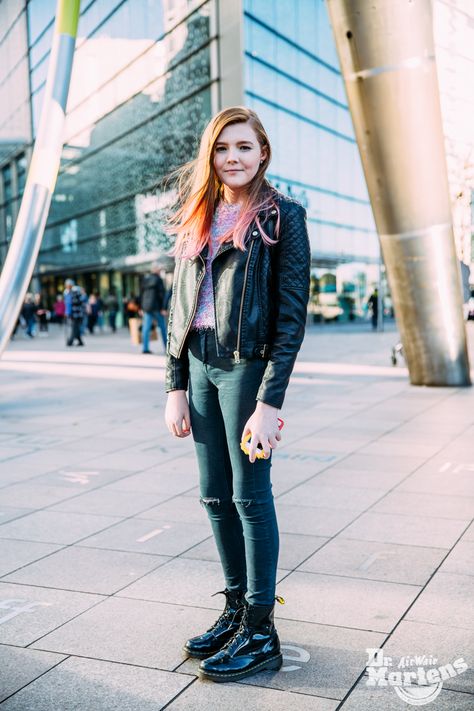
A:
[152,299]
[112,306]
[42,314]
[59,309]
[236,323]
[92,312]
[76,315]
[28,312]
[373,304]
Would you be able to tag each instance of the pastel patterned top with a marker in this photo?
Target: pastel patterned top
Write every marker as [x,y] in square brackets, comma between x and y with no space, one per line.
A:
[225,217]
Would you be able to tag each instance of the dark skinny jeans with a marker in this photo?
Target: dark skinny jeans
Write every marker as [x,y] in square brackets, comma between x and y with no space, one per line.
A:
[236,494]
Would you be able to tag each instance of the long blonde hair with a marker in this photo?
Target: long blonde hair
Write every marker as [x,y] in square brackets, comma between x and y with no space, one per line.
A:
[199,190]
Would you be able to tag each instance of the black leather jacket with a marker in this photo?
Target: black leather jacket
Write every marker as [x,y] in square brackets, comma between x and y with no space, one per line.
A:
[266,317]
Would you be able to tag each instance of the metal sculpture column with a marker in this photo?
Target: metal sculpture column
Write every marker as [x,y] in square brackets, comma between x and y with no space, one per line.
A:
[43,172]
[386,51]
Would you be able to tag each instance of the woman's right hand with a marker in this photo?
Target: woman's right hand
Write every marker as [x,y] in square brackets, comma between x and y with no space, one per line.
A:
[177,416]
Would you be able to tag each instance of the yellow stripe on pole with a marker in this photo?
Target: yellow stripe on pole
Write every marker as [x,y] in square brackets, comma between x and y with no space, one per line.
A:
[68,17]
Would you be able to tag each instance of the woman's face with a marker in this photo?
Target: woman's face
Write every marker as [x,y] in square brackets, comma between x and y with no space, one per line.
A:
[237,156]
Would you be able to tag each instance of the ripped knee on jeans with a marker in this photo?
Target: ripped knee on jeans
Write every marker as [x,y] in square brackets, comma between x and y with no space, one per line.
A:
[208,500]
[244,502]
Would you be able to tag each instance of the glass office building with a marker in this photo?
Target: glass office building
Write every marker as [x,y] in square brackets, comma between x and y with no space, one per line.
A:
[147,76]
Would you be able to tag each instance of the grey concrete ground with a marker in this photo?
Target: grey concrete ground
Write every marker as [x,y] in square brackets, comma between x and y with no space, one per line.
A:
[107,564]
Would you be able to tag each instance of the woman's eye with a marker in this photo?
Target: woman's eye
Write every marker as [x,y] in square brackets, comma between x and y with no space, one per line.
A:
[244,148]
[219,149]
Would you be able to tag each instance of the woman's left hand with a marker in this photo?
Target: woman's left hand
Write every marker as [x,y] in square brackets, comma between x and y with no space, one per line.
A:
[263,426]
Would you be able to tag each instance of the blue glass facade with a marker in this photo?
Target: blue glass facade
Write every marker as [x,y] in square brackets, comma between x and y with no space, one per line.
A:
[292,80]
[140,96]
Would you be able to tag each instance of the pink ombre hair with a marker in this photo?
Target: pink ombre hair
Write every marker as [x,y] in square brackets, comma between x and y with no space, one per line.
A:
[199,190]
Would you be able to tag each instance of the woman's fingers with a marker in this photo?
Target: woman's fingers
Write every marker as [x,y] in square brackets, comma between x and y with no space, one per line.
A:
[253,446]
[273,442]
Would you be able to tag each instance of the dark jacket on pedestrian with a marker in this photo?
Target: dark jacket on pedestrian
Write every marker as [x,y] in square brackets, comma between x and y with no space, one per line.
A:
[78,307]
[152,293]
[260,298]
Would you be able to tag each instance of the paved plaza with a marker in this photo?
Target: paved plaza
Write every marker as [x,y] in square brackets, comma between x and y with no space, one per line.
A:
[107,563]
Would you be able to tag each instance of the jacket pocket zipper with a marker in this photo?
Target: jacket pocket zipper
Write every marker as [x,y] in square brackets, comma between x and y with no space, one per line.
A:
[237,351]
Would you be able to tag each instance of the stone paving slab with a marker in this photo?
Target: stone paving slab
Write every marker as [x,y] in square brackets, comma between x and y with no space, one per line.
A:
[43,461]
[410,530]
[173,480]
[81,478]
[18,667]
[312,520]
[27,612]
[33,494]
[375,561]
[343,476]
[130,631]
[347,602]
[320,494]
[461,559]
[55,526]
[448,600]
[468,535]
[426,504]
[86,684]
[178,508]
[159,537]
[16,554]
[87,570]
[9,513]
[8,453]
[109,502]
[317,659]
[205,695]
[443,483]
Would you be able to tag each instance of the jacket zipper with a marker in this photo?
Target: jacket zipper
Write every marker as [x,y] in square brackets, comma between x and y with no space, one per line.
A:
[194,307]
[237,351]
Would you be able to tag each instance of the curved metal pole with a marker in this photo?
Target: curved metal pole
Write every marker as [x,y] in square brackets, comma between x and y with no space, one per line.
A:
[26,241]
[386,51]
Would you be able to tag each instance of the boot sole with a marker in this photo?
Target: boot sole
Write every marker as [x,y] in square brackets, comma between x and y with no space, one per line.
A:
[200,655]
[274,663]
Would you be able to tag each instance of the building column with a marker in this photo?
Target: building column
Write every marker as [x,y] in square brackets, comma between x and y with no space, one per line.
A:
[387,57]
[230,18]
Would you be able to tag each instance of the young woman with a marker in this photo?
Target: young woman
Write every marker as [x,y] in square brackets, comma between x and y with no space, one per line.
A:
[236,324]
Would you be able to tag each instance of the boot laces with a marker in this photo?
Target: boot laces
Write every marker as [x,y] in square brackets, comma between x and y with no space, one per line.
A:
[228,614]
[242,628]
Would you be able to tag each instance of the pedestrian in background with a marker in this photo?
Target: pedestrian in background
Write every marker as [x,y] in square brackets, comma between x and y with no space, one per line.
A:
[112,306]
[59,309]
[92,313]
[76,318]
[373,304]
[42,314]
[29,314]
[236,323]
[152,299]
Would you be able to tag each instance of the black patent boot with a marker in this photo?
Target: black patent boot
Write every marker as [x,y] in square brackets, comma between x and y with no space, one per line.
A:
[254,647]
[222,630]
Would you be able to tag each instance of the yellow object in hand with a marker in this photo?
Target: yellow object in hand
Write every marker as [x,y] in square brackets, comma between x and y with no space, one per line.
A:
[259,454]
